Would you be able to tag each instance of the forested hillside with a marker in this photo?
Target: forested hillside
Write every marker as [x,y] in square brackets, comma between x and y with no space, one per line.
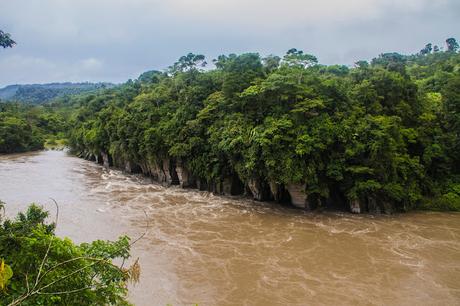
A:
[43,93]
[26,128]
[380,136]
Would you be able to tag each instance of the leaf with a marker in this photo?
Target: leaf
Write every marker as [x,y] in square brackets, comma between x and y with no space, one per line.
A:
[5,274]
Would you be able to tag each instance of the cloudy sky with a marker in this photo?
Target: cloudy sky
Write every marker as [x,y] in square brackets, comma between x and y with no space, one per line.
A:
[114,40]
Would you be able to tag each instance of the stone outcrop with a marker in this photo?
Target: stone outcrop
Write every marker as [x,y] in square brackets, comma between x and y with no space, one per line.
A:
[259,190]
[105,160]
[372,206]
[227,186]
[299,197]
[186,179]
[202,184]
[355,206]
[167,172]
[131,167]
[230,185]
[387,207]
[277,191]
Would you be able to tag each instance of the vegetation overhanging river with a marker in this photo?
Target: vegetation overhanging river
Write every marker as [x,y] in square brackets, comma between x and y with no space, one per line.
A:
[215,250]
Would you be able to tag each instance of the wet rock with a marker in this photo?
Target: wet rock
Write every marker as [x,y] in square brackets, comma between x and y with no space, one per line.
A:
[185,178]
[166,177]
[298,195]
[355,207]
[387,207]
[128,167]
[279,193]
[259,191]
[372,206]
[105,160]
[163,172]
[227,186]
[201,184]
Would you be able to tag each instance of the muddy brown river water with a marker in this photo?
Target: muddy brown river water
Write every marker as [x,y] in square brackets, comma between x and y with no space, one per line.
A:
[214,250]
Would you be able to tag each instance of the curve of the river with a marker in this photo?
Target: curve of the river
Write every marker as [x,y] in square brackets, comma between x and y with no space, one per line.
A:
[213,250]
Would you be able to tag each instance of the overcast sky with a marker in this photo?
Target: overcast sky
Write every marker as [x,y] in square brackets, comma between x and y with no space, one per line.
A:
[114,40]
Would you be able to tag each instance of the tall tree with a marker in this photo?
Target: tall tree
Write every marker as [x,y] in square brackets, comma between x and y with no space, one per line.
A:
[5,40]
[427,50]
[452,44]
[296,57]
[188,62]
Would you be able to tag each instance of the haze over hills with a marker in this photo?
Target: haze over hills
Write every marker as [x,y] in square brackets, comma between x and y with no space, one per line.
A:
[42,93]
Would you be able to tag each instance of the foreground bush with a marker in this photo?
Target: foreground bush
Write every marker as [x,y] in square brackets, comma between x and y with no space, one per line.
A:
[38,268]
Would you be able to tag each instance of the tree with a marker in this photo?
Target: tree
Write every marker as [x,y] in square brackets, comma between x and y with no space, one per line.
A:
[5,40]
[38,268]
[392,61]
[188,62]
[427,50]
[452,45]
[296,57]
[152,76]
[271,63]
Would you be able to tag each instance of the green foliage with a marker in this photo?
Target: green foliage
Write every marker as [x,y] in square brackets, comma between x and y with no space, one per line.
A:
[45,93]
[385,130]
[25,128]
[38,268]
[5,40]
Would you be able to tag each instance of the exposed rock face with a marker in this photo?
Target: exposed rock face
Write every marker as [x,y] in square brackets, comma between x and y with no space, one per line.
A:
[387,207]
[157,173]
[278,192]
[105,160]
[298,195]
[274,190]
[227,186]
[167,172]
[88,156]
[201,184]
[130,167]
[230,185]
[185,178]
[99,159]
[258,189]
[144,169]
[355,207]
[373,206]
[165,169]
[163,172]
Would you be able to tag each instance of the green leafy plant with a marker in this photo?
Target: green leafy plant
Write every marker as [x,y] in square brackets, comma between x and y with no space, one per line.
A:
[44,269]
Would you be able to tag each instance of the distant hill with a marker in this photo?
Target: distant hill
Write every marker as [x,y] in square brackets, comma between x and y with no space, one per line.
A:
[42,93]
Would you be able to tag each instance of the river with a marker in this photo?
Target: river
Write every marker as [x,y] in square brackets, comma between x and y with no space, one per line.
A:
[214,250]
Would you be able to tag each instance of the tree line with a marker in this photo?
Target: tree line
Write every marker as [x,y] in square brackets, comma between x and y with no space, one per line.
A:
[28,128]
[380,136]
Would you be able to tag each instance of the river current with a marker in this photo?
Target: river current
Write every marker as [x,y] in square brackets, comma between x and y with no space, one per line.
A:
[213,250]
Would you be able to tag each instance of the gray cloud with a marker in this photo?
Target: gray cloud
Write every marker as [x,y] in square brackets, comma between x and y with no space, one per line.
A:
[113,40]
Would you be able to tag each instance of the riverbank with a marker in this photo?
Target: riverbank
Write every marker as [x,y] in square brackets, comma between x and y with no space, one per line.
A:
[169,172]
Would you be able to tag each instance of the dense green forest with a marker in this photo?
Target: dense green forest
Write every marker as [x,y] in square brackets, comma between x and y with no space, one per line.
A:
[380,136]
[43,93]
[27,128]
